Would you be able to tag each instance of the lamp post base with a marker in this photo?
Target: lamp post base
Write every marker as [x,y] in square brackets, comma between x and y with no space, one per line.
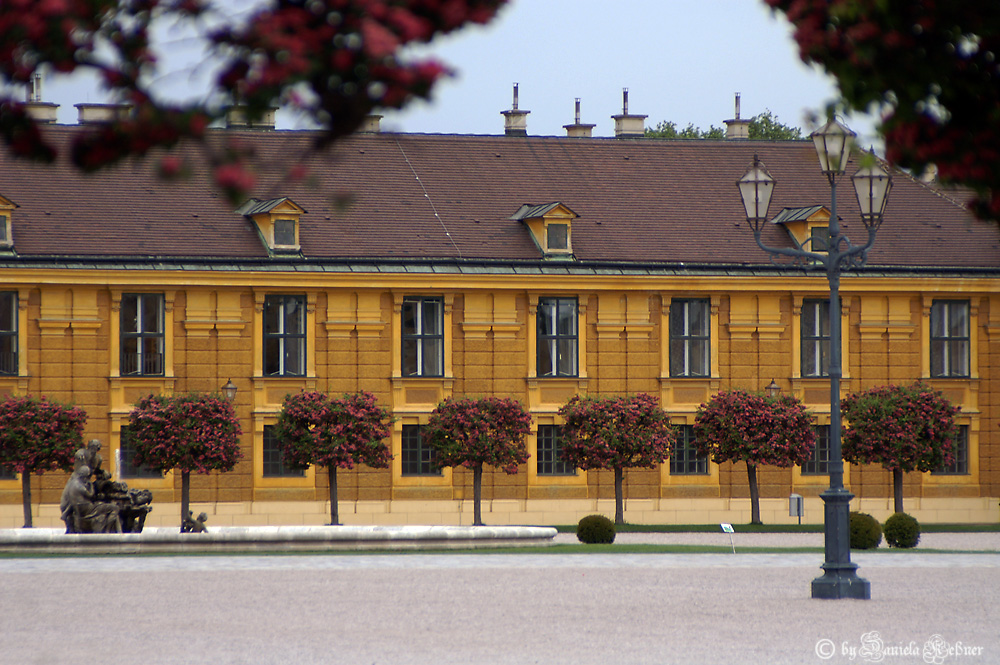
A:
[840,578]
[841,581]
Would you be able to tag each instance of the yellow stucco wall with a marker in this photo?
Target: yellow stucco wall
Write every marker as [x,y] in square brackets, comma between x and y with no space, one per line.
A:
[69,347]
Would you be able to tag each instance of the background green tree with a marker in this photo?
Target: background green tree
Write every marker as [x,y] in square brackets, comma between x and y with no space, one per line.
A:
[616,432]
[763,126]
[903,428]
[196,432]
[337,433]
[37,435]
[476,432]
[739,426]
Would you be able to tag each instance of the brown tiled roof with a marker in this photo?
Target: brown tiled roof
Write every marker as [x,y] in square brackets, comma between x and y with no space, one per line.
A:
[402,196]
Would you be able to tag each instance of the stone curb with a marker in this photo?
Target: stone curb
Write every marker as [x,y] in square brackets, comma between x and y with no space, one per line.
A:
[276,538]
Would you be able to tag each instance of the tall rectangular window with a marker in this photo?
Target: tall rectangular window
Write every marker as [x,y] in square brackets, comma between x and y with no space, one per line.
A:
[423,336]
[815,325]
[142,336]
[8,333]
[690,337]
[960,453]
[557,337]
[950,338]
[284,335]
[274,464]
[549,461]
[685,460]
[819,463]
[417,456]
[126,459]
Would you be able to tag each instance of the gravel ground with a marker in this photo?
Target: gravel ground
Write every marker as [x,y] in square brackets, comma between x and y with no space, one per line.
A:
[503,608]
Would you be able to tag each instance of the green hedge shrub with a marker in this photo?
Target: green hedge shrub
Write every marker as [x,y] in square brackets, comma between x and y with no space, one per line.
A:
[866,533]
[902,530]
[595,529]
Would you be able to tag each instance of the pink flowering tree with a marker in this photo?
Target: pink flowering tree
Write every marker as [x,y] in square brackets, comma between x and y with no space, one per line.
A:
[616,432]
[739,426]
[337,433]
[476,432]
[903,428]
[332,61]
[37,435]
[196,432]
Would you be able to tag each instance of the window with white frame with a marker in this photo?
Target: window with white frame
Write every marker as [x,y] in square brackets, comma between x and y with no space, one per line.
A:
[690,337]
[684,459]
[284,335]
[422,336]
[949,338]
[960,456]
[8,333]
[142,334]
[815,333]
[557,341]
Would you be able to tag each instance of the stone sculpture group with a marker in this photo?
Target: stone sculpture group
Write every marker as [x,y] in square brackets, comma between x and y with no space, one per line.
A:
[101,505]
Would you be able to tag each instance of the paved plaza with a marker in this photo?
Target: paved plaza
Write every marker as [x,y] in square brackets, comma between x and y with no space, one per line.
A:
[500,608]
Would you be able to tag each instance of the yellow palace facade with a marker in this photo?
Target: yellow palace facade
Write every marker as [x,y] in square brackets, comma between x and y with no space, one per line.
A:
[420,267]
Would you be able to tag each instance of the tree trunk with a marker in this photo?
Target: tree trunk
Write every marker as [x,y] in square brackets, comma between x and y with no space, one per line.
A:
[334,504]
[185,496]
[619,502]
[26,498]
[477,495]
[754,494]
[897,490]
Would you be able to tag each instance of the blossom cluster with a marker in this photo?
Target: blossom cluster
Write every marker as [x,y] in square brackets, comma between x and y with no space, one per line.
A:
[314,428]
[333,60]
[39,435]
[736,425]
[904,428]
[473,432]
[615,432]
[196,432]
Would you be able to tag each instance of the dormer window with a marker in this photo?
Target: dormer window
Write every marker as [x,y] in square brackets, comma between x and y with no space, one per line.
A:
[550,225]
[6,212]
[809,227]
[277,223]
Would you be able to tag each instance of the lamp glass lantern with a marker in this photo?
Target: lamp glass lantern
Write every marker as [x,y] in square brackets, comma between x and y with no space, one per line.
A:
[833,146]
[756,187]
[872,184]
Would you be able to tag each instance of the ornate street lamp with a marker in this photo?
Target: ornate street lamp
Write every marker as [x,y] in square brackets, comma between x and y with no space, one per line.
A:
[773,389]
[872,184]
[229,390]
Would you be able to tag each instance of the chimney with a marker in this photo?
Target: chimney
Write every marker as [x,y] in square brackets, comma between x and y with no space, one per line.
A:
[628,126]
[44,113]
[577,130]
[372,124]
[236,118]
[737,129]
[515,122]
[100,114]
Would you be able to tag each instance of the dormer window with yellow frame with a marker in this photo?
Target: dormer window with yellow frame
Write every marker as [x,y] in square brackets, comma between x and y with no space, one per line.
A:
[551,227]
[6,232]
[809,227]
[276,222]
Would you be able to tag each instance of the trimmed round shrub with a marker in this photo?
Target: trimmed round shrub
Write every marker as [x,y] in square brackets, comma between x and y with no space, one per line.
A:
[866,534]
[902,530]
[595,530]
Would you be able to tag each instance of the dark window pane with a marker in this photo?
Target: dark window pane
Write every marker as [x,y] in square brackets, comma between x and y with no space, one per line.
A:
[8,311]
[284,335]
[295,358]
[274,465]
[549,461]
[558,236]
[690,337]
[7,473]
[684,460]
[284,232]
[417,456]
[422,343]
[819,463]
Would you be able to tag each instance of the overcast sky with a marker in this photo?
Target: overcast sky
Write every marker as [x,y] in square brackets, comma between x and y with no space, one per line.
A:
[681,60]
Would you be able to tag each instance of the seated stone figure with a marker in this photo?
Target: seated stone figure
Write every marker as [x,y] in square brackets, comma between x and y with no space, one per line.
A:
[81,512]
[191,525]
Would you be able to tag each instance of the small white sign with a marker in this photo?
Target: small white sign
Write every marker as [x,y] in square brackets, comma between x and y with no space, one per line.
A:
[727,528]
